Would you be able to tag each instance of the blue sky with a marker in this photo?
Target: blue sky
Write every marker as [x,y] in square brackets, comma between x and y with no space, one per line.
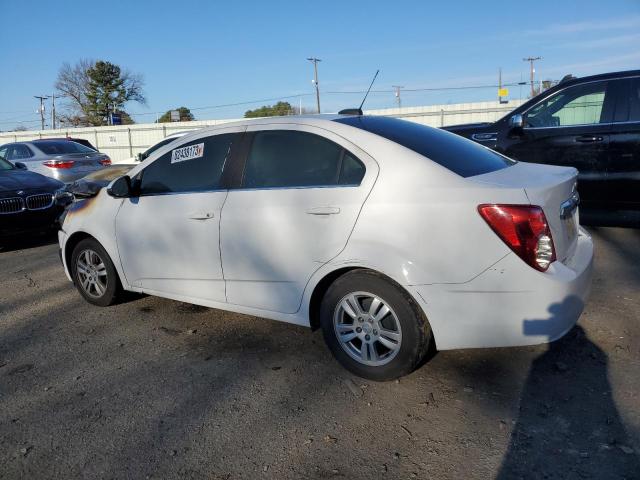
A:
[204,54]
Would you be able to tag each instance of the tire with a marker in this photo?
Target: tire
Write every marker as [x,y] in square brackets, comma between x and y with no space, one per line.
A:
[104,286]
[397,339]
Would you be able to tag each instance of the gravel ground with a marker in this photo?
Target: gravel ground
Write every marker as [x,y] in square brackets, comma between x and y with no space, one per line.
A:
[160,389]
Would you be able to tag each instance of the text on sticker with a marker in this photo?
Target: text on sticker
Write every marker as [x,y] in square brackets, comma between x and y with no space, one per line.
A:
[187,153]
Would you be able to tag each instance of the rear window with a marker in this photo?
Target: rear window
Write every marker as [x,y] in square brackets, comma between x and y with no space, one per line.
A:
[59,147]
[461,156]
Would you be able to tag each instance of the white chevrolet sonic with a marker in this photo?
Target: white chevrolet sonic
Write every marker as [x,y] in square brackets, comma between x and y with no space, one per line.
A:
[393,237]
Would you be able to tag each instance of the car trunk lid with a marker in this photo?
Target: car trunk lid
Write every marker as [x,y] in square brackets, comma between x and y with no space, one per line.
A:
[550,187]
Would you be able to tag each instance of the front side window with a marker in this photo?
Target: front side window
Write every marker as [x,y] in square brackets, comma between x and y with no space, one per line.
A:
[61,147]
[5,165]
[147,153]
[578,105]
[289,158]
[192,167]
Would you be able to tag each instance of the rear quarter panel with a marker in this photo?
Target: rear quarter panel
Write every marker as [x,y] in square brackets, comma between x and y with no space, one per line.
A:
[420,224]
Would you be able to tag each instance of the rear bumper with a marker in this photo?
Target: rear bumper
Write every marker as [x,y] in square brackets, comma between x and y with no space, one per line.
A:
[510,304]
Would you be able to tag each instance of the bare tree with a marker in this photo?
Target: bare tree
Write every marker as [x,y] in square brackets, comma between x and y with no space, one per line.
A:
[74,83]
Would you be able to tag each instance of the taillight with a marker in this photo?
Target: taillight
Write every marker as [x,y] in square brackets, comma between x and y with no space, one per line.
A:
[105,161]
[58,163]
[525,230]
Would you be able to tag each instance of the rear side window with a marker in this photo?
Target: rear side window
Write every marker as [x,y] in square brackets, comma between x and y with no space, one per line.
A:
[288,158]
[461,156]
[193,167]
[60,147]
[628,100]
[19,152]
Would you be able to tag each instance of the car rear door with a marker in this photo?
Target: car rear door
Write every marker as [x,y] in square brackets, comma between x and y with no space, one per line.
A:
[168,236]
[571,128]
[623,189]
[298,201]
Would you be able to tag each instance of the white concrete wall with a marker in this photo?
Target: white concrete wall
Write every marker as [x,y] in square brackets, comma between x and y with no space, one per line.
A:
[122,142]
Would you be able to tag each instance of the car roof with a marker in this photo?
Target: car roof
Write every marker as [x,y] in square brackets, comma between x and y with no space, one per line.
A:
[318,120]
[568,83]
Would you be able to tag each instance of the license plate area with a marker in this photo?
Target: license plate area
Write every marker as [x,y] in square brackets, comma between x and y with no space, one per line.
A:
[569,217]
[571,227]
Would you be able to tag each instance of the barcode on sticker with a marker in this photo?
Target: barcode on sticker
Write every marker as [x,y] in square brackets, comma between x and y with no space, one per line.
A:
[187,153]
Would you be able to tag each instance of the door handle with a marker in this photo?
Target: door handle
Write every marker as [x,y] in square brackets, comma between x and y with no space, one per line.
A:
[201,215]
[589,139]
[323,211]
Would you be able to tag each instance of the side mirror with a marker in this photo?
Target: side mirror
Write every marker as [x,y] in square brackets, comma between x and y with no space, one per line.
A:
[516,121]
[20,166]
[121,188]
[139,157]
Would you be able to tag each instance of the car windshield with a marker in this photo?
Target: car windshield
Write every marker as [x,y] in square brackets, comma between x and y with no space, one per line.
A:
[461,156]
[5,165]
[60,147]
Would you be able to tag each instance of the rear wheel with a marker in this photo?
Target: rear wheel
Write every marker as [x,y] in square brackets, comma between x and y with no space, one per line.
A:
[94,274]
[373,327]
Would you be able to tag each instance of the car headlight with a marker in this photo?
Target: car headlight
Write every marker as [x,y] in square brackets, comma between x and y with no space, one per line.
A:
[63,198]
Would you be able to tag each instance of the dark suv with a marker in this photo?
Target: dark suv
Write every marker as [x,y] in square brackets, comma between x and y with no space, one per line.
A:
[590,123]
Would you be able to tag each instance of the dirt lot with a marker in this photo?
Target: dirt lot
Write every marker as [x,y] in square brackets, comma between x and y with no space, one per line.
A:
[160,389]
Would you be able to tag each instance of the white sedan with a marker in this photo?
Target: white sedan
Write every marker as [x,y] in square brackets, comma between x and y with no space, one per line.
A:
[391,236]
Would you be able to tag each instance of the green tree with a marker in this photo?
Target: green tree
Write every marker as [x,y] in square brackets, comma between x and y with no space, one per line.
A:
[93,89]
[185,115]
[277,110]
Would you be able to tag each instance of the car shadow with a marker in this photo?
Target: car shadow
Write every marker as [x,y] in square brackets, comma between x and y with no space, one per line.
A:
[31,240]
[568,425]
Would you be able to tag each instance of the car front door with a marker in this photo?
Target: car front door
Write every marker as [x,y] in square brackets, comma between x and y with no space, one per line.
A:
[168,236]
[570,128]
[624,164]
[300,195]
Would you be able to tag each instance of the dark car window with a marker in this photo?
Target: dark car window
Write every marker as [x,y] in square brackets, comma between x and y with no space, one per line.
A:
[577,105]
[193,167]
[147,153]
[61,147]
[289,158]
[461,156]
[18,152]
[634,100]
[352,170]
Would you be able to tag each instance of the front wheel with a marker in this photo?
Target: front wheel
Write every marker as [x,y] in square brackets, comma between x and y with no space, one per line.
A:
[373,327]
[94,274]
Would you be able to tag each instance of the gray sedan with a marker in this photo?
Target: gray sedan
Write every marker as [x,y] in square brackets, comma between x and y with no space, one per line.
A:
[63,160]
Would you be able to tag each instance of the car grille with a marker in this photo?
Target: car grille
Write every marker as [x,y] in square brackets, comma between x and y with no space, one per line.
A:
[39,202]
[11,205]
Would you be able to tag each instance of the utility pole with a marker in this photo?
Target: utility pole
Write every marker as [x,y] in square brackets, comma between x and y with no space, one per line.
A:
[53,111]
[315,78]
[397,88]
[532,71]
[42,99]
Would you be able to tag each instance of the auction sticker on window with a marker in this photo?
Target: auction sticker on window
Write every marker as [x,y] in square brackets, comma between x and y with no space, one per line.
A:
[187,153]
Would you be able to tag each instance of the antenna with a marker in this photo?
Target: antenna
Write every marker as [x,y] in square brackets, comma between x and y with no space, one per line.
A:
[358,111]
[367,94]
